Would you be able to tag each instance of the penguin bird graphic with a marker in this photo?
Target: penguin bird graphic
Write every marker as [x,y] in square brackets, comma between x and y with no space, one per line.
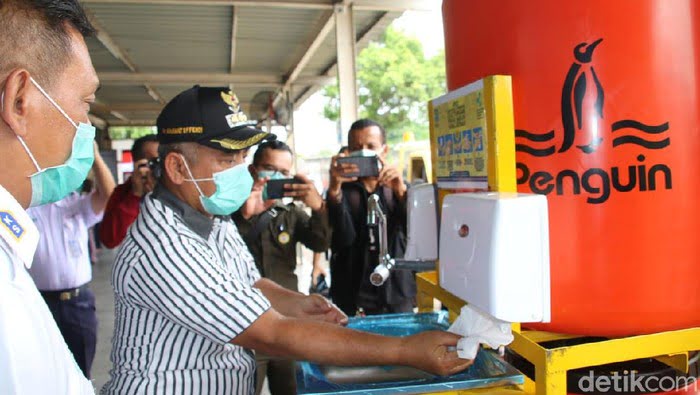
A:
[574,94]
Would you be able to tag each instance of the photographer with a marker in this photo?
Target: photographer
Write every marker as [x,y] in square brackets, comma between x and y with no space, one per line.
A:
[123,206]
[272,235]
[347,197]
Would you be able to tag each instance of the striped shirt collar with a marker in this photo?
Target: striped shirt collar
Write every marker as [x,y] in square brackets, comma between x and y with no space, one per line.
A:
[198,222]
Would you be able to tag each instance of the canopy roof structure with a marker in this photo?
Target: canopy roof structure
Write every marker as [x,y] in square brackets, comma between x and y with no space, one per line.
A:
[147,51]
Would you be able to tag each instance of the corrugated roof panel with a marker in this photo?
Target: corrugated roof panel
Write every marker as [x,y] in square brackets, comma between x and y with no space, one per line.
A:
[101,58]
[170,91]
[271,39]
[111,94]
[259,56]
[134,98]
[276,24]
[170,37]
[244,94]
[367,23]
[324,56]
[148,117]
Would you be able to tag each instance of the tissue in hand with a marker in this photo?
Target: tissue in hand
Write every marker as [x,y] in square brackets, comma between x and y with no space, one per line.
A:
[479,328]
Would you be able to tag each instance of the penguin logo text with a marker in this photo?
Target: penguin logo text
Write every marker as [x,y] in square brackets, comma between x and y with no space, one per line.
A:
[582,85]
[584,132]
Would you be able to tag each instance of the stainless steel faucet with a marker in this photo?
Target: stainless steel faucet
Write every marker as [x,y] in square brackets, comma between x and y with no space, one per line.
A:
[377,220]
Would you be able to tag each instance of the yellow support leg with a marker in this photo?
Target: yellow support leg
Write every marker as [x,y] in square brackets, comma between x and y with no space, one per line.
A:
[424,301]
[427,284]
[550,381]
[677,361]
[551,365]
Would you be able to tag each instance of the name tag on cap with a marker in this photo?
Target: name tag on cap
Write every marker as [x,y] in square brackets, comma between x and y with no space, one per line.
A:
[8,222]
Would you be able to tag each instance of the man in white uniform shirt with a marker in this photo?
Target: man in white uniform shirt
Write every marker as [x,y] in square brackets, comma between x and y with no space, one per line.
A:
[62,267]
[46,84]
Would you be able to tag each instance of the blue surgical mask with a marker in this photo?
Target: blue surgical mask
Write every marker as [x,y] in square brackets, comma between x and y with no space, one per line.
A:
[233,188]
[52,184]
[363,153]
[272,175]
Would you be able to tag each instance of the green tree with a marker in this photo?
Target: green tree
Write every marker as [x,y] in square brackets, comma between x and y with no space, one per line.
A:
[395,82]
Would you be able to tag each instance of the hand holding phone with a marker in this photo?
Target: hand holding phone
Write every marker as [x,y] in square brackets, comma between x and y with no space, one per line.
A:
[141,179]
[274,189]
[305,191]
[367,166]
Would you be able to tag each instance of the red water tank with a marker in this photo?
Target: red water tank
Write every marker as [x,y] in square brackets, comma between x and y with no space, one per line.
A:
[607,126]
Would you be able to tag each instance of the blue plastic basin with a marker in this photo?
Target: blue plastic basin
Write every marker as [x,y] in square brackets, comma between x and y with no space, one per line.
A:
[487,371]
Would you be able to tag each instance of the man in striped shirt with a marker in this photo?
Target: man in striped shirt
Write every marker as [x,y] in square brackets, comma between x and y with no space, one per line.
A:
[190,304]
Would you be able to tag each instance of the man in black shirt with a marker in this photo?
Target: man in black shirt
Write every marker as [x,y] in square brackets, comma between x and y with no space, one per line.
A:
[351,265]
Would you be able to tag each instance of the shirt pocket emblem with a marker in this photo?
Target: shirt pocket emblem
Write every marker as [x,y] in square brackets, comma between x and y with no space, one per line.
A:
[283,238]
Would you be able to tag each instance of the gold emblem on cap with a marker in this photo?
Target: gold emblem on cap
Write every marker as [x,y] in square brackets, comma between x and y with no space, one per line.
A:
[239,145]
[237,116]
[283,238]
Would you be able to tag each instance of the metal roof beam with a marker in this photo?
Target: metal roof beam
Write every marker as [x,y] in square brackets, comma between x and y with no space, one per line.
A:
[360,5]
[117,51]
[395,5]
[134,122]
[234,37]
[119,115]
[239,79]
[311,49]
[102,109]
[298,4]
[362,42]
[346,60]
[129,107]
[97,121]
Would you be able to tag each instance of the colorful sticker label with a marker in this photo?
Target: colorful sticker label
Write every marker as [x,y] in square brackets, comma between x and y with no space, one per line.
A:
[459,135]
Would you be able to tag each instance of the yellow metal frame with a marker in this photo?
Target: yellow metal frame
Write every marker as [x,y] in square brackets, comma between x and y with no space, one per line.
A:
[498,103]
[500,147]
[552,364]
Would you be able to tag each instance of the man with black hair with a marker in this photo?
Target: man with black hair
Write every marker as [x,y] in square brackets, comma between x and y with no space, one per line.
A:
[350,264]
[123,206]
[272,236]
[47,83]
